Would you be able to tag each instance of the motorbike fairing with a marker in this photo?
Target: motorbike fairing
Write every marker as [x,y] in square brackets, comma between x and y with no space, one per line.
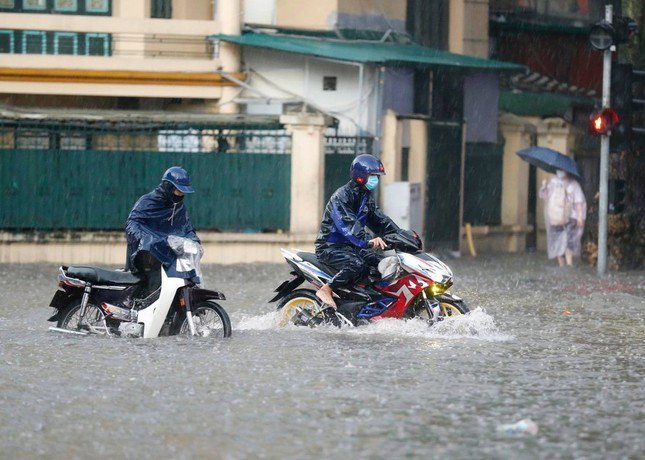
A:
[198,295]
[288,286]
[351,210]
[154,217]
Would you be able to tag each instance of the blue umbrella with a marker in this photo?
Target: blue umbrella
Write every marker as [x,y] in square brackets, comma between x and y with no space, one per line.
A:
[550,160]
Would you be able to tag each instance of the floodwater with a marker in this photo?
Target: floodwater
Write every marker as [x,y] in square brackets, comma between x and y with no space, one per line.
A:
[558,346]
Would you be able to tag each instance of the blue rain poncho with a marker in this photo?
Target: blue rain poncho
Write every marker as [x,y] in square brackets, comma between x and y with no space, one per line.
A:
[154,217]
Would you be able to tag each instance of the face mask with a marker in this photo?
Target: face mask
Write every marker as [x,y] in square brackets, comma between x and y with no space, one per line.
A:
[177,198]
[371,183]
[561,174]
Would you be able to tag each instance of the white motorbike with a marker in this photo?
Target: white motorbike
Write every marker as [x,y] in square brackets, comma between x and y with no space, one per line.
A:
[92,300]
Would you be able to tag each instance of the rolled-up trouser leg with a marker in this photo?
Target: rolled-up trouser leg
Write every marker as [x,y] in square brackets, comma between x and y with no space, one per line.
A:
[348,261]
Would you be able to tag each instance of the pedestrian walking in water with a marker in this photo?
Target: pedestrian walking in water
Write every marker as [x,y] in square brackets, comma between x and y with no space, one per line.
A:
[565,211]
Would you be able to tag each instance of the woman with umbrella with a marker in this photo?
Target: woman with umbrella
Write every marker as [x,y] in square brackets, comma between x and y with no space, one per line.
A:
[565,207]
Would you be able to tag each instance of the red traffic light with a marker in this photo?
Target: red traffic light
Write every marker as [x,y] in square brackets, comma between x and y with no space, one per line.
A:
[601,121]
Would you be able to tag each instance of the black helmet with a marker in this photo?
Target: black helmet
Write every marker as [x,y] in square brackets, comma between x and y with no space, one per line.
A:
[179,178]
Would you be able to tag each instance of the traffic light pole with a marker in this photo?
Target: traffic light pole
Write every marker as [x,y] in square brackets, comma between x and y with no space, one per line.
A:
[603,205]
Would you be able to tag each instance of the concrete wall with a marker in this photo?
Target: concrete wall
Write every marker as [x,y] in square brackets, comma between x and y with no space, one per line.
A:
[193,9]
[110,248]
[344,14]
[287,75]
[319,15]
[468,30]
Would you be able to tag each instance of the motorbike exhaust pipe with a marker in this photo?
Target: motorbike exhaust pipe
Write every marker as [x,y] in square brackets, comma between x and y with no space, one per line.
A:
[67,331]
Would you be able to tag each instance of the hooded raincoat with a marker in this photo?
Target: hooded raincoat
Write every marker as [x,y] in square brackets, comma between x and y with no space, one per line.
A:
[567,235]
[344,234]
[154,217]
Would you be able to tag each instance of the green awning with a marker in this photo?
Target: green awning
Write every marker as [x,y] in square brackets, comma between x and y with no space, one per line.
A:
[382,53]
[541,104]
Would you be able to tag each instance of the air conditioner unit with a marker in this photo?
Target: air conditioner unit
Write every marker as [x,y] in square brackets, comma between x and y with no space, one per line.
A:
[402,202]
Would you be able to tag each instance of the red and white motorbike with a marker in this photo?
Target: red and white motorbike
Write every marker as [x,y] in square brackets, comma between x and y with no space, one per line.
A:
[408,284]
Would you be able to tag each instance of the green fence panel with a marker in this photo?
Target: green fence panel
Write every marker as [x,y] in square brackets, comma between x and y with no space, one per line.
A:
[443,184]
[336,172]
[53,189]
[483,183]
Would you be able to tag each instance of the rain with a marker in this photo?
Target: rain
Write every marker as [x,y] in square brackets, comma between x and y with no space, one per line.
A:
[266,104]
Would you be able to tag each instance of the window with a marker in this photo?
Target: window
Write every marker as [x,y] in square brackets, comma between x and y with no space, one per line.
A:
[34,5]
[34,42]
[65,43]
[97,6]
[71,43]
[66,6]
[185,140]
[161,9]
[77,7]
[329,83]
[73,142]
[97,45]
[32,139]
[7,41]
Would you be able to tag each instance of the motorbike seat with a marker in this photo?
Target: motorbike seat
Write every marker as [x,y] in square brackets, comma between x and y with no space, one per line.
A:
[96,275]
[312,259]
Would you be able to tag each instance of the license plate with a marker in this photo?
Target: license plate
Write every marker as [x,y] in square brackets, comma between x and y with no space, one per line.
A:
[59,300]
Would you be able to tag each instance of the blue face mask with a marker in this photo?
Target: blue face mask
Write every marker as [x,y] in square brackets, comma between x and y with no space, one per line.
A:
[371,183]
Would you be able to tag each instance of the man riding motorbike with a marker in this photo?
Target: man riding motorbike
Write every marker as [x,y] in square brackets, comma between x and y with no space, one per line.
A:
[154,217]
[343,242]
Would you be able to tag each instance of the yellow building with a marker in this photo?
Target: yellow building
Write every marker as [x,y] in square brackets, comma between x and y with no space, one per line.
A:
[147,54]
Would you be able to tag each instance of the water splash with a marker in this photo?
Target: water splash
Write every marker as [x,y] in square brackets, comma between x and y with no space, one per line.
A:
[269,320]
[477,325]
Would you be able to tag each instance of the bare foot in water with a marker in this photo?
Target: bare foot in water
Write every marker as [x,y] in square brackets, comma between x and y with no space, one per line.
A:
[326,295]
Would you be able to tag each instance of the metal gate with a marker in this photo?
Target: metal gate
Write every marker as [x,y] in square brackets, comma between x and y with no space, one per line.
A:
[443,184]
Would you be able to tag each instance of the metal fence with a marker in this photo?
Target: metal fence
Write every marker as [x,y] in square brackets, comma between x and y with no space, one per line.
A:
[348,145]
[95,190]
[85,175]
[141,137]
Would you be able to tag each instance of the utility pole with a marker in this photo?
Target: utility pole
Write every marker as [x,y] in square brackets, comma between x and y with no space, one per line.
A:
[603,205]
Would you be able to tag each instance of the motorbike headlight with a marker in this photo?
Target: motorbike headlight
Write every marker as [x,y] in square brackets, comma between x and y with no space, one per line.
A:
[439,288]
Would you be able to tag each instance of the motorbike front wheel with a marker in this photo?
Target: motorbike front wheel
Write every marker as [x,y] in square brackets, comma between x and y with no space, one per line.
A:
[210,319]
[449,308]
[93,322]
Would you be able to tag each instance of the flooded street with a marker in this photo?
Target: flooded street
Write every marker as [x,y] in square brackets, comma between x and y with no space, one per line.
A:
[558,346]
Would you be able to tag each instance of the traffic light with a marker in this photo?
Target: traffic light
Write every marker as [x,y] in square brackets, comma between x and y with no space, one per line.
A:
[621,102]
[617,195]
[604,35]
[602,121]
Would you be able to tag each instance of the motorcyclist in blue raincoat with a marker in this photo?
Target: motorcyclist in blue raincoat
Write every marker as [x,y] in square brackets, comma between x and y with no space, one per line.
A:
[154,217]
[344,242]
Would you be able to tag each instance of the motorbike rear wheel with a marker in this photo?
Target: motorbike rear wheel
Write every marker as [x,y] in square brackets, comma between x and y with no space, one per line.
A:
[210,319]
[296,301]
[94,321]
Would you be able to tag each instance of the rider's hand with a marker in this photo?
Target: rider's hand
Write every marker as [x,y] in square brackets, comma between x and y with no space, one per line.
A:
[377,243]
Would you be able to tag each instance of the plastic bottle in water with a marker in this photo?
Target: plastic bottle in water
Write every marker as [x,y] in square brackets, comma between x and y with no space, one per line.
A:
[524,426]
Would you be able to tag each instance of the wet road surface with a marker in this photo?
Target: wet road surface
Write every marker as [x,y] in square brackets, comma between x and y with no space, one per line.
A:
[558,346]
